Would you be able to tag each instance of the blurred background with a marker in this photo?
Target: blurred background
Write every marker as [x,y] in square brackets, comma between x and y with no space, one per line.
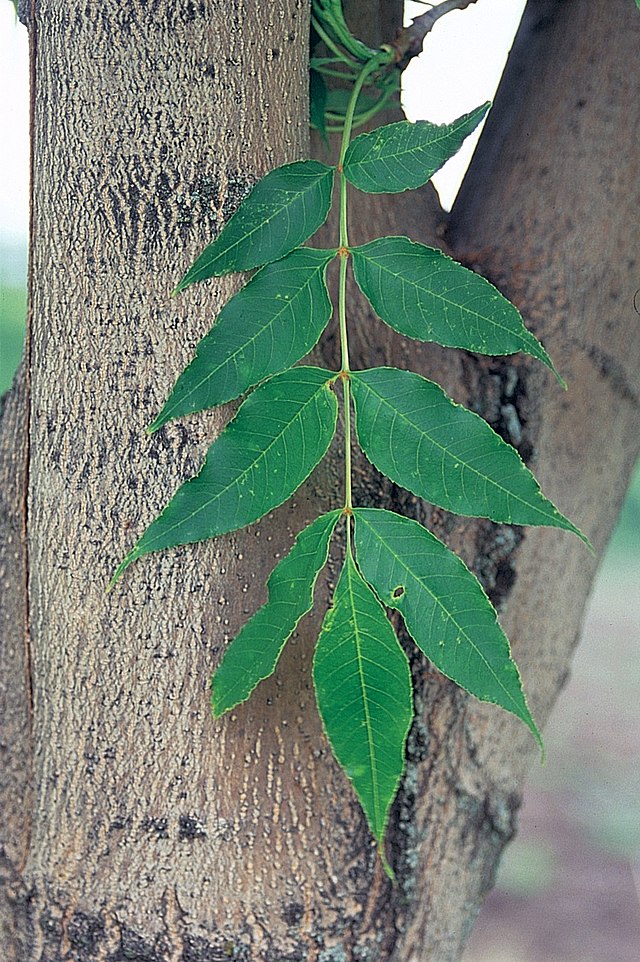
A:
[568,889]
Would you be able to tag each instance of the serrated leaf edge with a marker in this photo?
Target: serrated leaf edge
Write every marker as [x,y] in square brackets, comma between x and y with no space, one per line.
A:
[569,524]
[447,130]
[187,280]
[161,420]
[542,355]
[135,553]
[389,603]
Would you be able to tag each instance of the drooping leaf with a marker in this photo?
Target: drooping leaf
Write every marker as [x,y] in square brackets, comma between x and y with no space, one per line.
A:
[284,208]
[416,435]
[338,101]
[363,688]
[406,155]
[318,103]
[331,15]
[254,652]
[266,327]
[444,607]
[424,294]
[263,455]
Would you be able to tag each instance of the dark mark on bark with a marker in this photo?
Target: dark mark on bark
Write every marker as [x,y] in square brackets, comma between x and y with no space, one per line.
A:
[293,913]
[190,827]
[85,933]
[133,948]
[612,370]
[159,826]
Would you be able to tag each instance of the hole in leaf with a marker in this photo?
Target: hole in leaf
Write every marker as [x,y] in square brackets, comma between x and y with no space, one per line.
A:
[398,592]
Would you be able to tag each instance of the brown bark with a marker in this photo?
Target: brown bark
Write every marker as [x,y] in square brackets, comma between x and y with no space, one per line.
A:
[15,681]
[158,834]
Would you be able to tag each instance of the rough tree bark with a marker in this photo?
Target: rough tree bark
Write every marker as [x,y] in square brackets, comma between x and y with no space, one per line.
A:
[134,826]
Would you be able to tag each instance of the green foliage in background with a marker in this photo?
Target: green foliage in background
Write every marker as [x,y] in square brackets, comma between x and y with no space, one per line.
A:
[13,304]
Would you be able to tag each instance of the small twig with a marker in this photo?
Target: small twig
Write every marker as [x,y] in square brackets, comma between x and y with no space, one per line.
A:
[408,43]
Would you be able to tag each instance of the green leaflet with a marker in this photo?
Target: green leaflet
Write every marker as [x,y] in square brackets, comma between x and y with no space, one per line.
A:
[284,208]
[363,689]
[254,652]
[266,327]
[426,295]
[416,435]
[444,606]
[406,155]
[263,455]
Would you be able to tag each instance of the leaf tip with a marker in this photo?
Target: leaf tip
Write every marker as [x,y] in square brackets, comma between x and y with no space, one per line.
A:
[543,750]
[388,871]
[529,721]
[115,577]
[535,731]
[559,378]
[579,534]
[122,567]
[567,525]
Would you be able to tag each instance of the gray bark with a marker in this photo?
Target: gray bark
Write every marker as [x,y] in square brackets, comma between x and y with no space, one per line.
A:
[153,832]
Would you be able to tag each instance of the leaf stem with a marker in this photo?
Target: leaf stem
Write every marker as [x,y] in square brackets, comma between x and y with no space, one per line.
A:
[383,57]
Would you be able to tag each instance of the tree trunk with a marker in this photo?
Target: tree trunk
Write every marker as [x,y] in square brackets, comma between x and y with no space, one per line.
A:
[135,826]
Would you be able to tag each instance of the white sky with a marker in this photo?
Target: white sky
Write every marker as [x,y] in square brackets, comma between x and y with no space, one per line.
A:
[460,68]
[14,125]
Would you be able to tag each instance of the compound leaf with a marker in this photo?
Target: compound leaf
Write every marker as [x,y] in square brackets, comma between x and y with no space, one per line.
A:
[254,652]
[406,155]
[424,294]
[284,208]
[363,689]
[271,446]
[266,327]
[416,435]
[444,607]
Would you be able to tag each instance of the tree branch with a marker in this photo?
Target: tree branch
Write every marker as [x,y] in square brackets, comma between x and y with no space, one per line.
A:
[408,43]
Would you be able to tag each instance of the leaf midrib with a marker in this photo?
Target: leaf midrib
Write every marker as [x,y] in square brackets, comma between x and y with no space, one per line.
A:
[238,478]
[262,223]
[449,131]
[231,357]
[374,768]
[442,448]
[451,304]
